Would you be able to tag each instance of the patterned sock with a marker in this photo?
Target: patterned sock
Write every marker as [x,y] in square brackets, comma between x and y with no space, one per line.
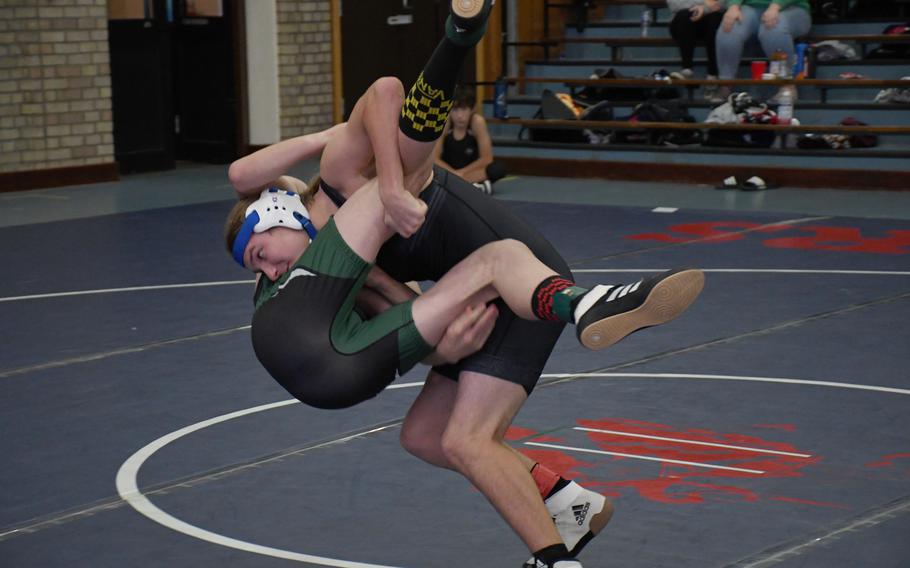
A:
[427,105]
[555,298]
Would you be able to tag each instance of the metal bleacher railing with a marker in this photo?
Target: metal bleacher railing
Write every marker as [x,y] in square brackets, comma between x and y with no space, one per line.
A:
[616,44]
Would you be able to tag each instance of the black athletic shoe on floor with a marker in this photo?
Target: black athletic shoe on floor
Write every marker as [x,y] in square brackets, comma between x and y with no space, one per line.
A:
[606,314]
[469,15]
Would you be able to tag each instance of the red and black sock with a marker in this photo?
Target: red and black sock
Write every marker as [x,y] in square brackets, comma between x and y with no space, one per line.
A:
[555,298]
[548,481]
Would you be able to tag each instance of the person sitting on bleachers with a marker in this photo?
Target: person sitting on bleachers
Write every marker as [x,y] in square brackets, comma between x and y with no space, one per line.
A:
[465,148]
[774,23]
[694,21]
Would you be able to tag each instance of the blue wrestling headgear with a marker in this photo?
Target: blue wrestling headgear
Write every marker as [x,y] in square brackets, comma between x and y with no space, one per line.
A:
[274,208]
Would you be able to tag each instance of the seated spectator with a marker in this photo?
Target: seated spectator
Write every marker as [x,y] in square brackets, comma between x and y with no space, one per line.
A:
[694,21]
[775,25]
[465,147]
[581,14]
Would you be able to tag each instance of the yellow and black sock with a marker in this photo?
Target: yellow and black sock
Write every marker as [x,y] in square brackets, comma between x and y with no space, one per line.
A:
[429,101]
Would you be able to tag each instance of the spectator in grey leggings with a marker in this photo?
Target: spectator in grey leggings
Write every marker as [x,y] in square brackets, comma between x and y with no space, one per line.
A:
[775,24]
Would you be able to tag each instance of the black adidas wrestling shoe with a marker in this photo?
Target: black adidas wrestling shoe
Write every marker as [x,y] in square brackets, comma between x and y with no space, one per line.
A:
[606,314]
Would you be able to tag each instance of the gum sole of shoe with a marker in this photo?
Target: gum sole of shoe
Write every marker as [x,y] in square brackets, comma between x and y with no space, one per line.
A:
[467,8]
[667,300]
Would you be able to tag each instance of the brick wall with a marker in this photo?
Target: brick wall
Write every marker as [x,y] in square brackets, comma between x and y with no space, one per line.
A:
[304,65]
[55,86]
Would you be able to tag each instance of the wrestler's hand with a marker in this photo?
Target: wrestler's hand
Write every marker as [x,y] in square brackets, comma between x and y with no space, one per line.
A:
[731,16]
[467,334]
[404,213]
[771,16]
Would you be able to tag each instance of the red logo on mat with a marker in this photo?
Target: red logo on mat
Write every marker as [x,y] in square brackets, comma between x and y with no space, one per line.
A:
[662,464]
[806,237]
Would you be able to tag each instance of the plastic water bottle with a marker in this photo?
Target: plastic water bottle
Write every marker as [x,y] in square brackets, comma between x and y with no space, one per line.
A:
[800,67]
[785,105]
[500,105]
[778,66]
[645,22]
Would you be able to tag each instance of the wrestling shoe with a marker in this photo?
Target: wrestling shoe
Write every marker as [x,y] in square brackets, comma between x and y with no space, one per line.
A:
[606,314]
[485,187]
[580,514]
[470,15]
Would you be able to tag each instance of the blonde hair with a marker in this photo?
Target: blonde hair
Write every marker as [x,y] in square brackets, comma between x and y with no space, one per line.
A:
[237,214]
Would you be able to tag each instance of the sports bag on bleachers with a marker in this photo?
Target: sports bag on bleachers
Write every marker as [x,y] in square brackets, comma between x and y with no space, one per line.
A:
[656,110]
[740,108]
[892,50]
[838,141]
[561,106]
[595,93]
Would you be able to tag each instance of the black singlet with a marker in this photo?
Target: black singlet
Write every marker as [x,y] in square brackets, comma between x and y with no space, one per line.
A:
[460,220]
[460,153]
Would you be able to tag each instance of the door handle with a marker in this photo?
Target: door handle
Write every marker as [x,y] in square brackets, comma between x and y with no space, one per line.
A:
[400,20]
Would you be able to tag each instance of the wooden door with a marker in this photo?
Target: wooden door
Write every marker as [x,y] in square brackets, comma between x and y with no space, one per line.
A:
[177,81]
[208,79]
[389,38]
[141,86]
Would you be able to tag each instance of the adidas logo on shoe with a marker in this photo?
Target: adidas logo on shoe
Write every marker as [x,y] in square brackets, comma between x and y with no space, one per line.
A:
[580,512]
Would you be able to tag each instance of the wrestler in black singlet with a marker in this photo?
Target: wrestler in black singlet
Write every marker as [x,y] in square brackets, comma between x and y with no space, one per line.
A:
[307,334]
[460,220]
[459,153]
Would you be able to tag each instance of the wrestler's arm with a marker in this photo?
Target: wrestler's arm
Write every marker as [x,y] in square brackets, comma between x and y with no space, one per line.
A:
[390,290]
[437,150]
[251,173]
[371,145]
[464,336]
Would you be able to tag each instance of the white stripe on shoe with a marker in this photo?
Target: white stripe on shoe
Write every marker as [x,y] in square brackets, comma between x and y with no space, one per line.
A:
[590,298]
[596,293]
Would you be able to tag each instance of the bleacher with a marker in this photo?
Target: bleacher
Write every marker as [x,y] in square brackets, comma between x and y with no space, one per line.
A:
[565,59]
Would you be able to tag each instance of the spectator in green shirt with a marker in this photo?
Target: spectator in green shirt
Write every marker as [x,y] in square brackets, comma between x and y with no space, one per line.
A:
[774,24]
